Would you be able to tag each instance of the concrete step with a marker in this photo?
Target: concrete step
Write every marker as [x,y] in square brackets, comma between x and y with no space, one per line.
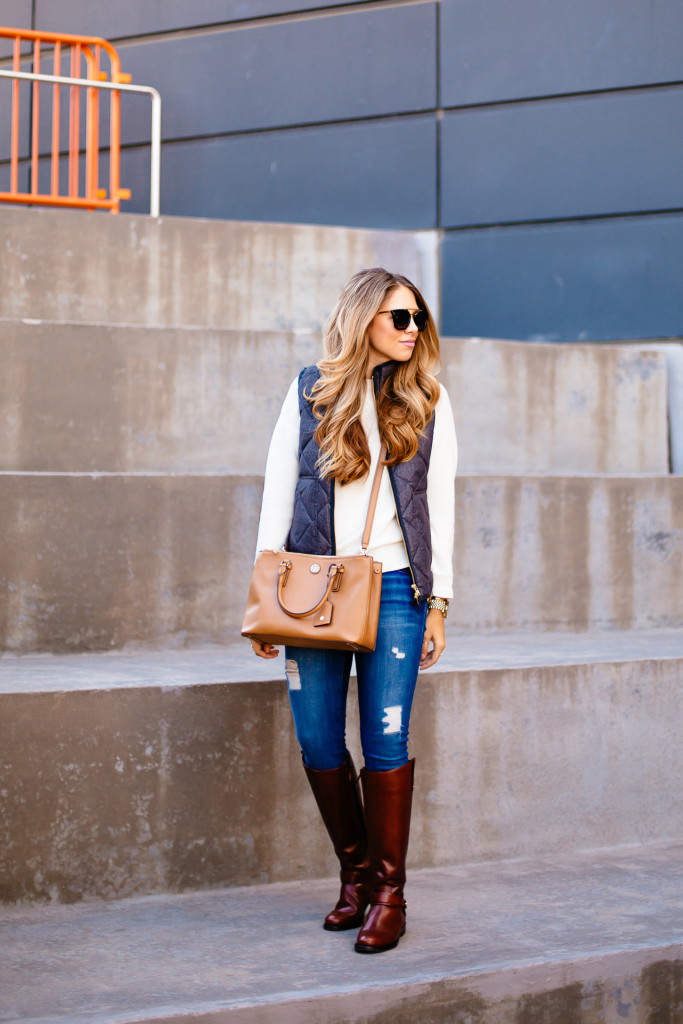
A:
[174,271]
[99,561]
[522,407]
[568,939]
[95,561]
[130,774]
[119,398]
[125,398]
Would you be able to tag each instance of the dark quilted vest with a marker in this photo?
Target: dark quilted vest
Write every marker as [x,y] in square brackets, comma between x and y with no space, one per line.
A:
[312,530]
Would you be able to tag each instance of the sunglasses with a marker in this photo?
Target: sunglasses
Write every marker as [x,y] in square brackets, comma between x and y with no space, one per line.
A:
[402,318]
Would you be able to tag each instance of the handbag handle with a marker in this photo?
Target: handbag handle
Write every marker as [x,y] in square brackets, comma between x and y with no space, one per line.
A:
[374,494]
[283,572]
[334,574]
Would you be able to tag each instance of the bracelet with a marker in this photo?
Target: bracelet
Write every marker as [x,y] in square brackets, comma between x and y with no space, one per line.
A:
[441,603]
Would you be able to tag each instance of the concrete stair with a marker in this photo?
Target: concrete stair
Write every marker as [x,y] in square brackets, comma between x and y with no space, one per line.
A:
[133,447]
[128,774]
[71,266]
[571,938]
[149,774]
[182,399]
[95,561]
[137,399]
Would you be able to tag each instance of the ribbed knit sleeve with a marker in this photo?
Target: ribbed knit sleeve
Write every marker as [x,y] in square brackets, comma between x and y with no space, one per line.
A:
[441,495]
[282,471]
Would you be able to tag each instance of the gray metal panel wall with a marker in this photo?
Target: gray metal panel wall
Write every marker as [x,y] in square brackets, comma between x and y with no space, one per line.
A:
[22,177]
[583,156]
[13,14]
[6,121]
[253,78]
[518,148]
[371,174]
[499,50]
[125,18]
[573,281]
[319,69]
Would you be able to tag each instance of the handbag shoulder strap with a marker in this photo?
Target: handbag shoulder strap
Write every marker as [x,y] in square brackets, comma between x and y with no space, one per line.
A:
[373,500]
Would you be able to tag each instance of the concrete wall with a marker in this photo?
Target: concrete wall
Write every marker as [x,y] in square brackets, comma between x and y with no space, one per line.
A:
[541,138]
[91,562]
[114,792]
[99,561]
[568,552]
[81,397]
[538,408]
[68,265]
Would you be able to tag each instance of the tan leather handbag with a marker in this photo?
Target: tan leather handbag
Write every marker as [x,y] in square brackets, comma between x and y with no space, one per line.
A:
[317,600]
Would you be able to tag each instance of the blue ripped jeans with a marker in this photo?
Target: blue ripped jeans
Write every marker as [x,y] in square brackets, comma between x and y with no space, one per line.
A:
[319,682]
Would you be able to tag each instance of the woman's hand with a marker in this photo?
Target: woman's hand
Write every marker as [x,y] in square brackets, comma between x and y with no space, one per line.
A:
[435,633]
[264,650]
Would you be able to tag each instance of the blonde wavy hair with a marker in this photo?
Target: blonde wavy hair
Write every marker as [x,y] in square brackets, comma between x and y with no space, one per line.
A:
[406,401]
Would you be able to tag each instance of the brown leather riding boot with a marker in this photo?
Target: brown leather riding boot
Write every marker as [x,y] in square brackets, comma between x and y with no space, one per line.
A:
[336,793]
[388,803]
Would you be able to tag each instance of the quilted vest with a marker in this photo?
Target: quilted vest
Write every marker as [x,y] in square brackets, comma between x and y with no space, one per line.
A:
[312,530]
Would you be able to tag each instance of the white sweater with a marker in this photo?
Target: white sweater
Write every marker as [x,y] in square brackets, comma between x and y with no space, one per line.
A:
[351,500]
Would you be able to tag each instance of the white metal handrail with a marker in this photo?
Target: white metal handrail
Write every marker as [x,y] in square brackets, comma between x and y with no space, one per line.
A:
[155,173]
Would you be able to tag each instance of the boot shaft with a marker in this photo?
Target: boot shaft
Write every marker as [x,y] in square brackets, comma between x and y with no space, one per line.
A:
[388,806]
[337,795]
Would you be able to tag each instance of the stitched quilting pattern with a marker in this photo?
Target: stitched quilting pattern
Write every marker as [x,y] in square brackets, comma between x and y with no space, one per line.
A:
[312,529]
[410,487]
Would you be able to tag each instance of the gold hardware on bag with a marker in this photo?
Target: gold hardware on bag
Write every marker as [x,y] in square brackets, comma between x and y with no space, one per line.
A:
[338,579]
[333,576]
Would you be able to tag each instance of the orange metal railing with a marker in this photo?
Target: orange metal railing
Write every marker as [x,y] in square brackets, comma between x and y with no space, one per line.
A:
[72,52]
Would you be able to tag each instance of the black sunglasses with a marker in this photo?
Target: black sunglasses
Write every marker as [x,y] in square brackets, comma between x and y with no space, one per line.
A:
[402,318]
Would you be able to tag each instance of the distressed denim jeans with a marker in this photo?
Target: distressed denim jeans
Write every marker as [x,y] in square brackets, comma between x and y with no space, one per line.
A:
[319,681]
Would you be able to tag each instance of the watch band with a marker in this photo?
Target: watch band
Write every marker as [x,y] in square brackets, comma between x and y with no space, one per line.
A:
[441,603]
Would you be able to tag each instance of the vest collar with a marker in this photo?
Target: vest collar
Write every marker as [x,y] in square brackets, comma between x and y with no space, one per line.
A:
[381,372]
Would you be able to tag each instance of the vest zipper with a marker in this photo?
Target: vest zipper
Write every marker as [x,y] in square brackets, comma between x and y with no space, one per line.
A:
[376,375]
[416,591]
[332,533]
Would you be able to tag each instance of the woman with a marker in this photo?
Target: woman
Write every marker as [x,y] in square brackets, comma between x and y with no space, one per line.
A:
[375,384]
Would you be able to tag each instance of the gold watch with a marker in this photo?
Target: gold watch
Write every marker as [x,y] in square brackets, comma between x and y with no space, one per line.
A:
[439,602]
